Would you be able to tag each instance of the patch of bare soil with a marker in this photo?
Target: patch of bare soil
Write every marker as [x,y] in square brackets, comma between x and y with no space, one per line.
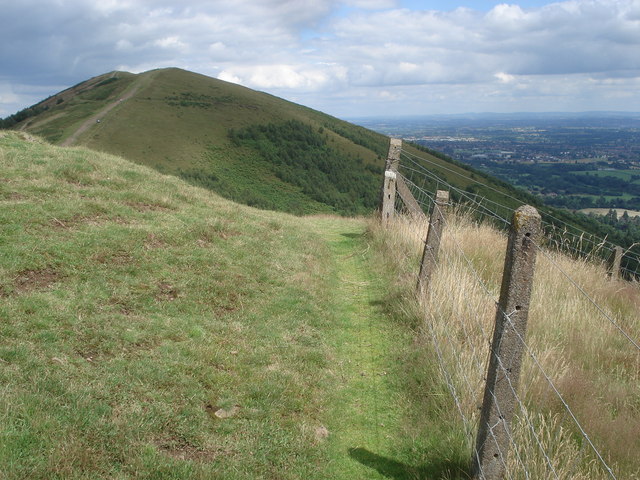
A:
[167,292]
[30,280]
[14,196]
[113,258]
[149,207]
[179,450]
[153,242]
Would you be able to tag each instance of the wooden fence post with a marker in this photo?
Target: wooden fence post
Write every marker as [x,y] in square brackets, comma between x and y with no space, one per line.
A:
[388,194]
[614,263]
[492,442]
[432,243]
[408,199]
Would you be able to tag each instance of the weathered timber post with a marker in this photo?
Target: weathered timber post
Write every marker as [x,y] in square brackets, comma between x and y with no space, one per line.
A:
[409,200]
[492,442]
[432,243]
[614,263]
[388,194]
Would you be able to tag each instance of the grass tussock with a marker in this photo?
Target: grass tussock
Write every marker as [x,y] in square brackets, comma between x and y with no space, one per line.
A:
[594,367]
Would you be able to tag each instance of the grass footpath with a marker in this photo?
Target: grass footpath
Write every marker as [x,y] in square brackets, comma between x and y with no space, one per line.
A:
[150,329]
[365,417]
[393,415]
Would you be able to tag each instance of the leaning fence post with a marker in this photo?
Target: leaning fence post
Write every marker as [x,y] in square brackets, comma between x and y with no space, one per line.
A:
[388,194]
[614,263]
[432,243]
[492,442]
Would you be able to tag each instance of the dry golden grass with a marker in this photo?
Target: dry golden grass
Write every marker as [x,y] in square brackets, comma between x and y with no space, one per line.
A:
[571,334]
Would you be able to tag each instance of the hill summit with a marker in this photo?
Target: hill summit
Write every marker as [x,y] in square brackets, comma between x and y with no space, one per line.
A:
[246,145]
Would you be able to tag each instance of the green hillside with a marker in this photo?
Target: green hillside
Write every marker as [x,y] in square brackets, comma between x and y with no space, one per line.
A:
[252,147]
[195,126]
[151,329]
[245,145]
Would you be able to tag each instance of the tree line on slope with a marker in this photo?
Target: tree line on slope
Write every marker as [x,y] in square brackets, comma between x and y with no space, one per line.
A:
[300,155]
[623,231]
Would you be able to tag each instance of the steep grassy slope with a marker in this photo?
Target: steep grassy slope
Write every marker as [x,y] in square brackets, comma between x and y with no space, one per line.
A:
[151,329]
[246,145]
[179,122]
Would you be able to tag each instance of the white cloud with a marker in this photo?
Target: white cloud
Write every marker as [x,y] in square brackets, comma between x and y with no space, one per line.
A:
[372,4]
[278,77]
[504,77]
[229,77]
[340,53]
[172,41]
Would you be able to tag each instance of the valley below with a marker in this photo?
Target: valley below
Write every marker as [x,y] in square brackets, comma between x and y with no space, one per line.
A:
[574,161]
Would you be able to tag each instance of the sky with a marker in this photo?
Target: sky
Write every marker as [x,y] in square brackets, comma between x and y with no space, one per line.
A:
[348,58]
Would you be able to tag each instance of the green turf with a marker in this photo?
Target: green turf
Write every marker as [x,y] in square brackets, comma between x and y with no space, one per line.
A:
[153,330]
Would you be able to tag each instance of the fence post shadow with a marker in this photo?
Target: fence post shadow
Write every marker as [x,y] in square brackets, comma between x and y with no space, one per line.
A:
[395,470]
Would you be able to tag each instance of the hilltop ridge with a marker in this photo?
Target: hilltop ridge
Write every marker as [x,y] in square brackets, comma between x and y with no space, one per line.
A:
[180,122]
[248,146]
[245,145]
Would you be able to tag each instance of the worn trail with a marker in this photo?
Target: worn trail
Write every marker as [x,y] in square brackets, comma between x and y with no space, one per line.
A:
[91,121]
[368,405]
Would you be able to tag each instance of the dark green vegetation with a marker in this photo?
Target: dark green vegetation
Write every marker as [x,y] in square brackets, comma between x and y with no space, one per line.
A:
[190,125]
[302,156]
[152,329]
[575,185]
[21,116]
[577,233]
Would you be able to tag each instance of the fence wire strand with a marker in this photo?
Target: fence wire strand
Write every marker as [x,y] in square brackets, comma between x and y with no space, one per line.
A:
[419,180]
[555,228]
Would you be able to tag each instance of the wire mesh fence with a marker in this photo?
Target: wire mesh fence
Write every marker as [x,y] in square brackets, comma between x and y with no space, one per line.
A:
[420,173]
[579,391]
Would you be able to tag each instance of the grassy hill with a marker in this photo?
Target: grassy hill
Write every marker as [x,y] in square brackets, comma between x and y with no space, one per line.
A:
[252,147]
[245,145]
[208,132]
[151,329]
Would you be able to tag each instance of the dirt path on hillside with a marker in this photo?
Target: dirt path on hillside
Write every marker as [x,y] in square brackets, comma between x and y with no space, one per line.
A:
[94,119]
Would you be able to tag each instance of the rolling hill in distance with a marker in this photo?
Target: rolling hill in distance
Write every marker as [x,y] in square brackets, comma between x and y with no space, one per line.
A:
[221,136]
[251,147]
[246,145]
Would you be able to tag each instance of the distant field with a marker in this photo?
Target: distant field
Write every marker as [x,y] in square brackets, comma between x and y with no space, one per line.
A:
[569,162]
[604,211]
[628,175]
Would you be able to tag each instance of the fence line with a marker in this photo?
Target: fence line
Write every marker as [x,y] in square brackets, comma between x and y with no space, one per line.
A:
[480,368]
[450,356]
[590,299]
[563,235]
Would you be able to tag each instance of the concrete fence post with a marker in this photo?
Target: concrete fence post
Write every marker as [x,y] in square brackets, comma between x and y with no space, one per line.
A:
[615,262]
[432,242]
[493,440]
[388,193]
